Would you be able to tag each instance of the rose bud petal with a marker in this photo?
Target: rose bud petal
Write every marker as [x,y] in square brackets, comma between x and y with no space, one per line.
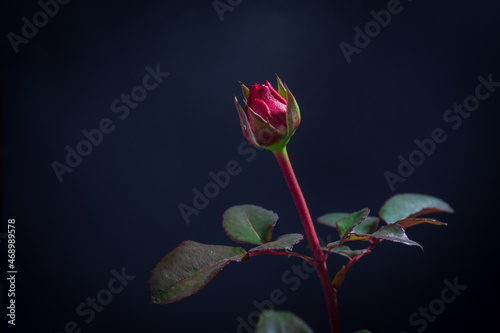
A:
[270,117]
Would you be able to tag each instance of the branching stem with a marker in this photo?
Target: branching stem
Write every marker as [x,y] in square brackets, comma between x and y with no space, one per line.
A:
[282,253]
[341,274]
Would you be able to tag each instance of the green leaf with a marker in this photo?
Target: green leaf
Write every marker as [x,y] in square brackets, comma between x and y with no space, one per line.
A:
[410,205]
[285,242]
[344,223]
[330,245]
[347,252]
[368,226]
[249,224]
[188,268]
[281,322]
[393,233]
[362,331]
[406,223]
[331,219]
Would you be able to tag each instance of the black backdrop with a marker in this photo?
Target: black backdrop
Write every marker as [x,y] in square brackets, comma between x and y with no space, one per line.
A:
[117,210]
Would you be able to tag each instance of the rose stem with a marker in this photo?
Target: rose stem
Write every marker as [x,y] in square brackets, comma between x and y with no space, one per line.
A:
[312,238]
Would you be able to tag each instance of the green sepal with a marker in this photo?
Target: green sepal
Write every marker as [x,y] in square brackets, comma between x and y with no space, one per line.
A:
[281,87]
[292,113]
[278,146]
[246,128]
[245,91]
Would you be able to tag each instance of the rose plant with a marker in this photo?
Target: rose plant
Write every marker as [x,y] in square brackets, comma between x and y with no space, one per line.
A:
[268,120]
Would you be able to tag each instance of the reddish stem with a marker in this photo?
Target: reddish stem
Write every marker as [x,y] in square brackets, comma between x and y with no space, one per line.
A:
[341,274]
[312,238]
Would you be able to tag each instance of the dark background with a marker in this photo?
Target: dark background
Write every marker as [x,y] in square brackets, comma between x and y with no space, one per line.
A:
[119,207]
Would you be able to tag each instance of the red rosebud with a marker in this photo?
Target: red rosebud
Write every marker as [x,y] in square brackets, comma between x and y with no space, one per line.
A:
[270,117]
